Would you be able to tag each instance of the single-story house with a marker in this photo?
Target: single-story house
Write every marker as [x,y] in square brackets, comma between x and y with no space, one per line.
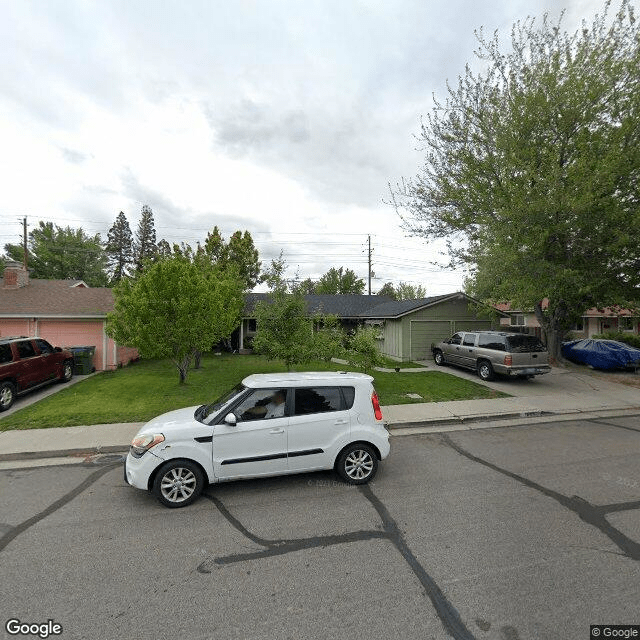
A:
[593,321]
[66,313]
[407,328]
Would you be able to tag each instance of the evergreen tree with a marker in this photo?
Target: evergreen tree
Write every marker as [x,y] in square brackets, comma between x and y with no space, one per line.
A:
[144,247]
[119,249]
[57,253]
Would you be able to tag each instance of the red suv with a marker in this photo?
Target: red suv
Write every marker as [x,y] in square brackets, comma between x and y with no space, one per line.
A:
[29,363]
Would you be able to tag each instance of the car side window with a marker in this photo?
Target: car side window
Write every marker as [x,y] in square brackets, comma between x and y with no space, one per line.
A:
[349,394]
[5,353]
[469,339]
[317,400]
[263,404]
[45,347]
[25,349]
[489,341]
[456,338]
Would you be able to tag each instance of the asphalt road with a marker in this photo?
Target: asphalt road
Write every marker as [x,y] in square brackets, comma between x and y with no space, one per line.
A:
[512,533]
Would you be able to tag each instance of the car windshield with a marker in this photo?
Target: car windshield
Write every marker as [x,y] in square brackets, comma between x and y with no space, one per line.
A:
[524,344]
[206,410]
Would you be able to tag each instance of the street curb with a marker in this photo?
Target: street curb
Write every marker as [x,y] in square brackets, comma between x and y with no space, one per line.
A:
[461,420]
[461,423]
[63,453]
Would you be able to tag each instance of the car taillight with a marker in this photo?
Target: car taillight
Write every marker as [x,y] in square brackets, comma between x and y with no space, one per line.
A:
[508,360]
[377,411]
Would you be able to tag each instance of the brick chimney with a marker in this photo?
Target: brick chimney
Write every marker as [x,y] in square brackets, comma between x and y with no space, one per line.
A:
[15,276]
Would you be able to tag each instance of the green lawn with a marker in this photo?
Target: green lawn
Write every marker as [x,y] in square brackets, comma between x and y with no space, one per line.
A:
[141,391]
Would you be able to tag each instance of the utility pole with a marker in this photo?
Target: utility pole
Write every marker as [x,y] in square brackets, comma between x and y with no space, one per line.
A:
[369,272]
[24,242]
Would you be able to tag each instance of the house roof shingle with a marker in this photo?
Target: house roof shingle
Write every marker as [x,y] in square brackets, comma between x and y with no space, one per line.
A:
[63,298]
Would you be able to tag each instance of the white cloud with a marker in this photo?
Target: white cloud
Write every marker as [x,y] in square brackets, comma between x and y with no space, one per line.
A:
[282,117]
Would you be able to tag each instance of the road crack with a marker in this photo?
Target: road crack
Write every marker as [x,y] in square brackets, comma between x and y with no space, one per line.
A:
[594,515]
[446,612]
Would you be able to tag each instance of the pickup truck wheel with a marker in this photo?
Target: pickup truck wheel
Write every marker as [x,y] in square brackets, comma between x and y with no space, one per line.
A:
[439,358]
[67,371]
[485,370]
[7,395]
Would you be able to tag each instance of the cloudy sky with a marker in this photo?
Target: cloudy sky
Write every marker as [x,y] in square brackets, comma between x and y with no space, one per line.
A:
[284,117]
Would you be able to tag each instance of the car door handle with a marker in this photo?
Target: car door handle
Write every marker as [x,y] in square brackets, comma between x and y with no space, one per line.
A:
[276,430]
[341,422]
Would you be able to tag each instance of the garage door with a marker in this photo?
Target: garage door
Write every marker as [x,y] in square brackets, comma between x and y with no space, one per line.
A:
[472,325]
[73,333]
[424,333]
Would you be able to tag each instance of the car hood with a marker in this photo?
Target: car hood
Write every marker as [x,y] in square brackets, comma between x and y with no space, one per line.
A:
[171,421]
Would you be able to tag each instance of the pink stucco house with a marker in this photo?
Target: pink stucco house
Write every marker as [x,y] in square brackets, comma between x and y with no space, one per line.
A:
[594,321]
[67,313]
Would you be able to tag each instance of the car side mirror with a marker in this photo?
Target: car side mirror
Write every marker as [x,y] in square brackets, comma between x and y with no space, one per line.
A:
[58,349]
[231,419]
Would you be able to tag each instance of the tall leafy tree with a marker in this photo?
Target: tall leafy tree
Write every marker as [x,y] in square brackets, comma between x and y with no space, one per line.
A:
[174,309]
[144,246]
[240,252]
[532,170]
[406,291]
[403,291]
[285,330]
[119,249]
[340,281]
[388,290]
[63,253]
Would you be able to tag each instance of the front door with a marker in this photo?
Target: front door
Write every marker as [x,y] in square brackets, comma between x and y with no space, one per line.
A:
[257,444]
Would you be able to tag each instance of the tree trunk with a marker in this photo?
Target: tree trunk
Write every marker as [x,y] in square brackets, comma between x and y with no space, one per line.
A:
[196,359]
[553,322]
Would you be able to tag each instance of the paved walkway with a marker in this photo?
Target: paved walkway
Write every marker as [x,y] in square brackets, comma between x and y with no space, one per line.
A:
[560,394]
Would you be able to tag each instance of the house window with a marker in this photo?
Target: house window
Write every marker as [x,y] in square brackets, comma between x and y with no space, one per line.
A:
[517,320]
[626,323]
[251,324]
[578,326]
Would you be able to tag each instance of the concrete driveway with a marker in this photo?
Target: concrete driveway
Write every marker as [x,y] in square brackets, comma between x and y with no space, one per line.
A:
[560,382]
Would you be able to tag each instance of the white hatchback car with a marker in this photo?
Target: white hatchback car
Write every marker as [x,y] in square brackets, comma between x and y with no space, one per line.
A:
[270,424]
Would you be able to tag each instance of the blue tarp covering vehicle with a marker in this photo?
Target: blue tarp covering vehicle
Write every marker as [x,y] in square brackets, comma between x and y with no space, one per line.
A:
[602,354]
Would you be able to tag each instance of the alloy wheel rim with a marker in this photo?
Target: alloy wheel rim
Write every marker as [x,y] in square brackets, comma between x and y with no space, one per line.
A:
[6,396]
[358,464]
[178,484]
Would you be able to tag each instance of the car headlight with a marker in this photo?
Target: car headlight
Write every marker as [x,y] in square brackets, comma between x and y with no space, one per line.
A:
[141,444]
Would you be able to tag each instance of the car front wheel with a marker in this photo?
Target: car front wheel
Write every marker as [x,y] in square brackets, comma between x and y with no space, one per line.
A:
[439,358]
[178,483]
[67,371]
[7,395]
[485,370]
[357,464]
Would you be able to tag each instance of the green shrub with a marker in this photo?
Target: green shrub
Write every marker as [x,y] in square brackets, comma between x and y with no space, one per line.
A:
[362,351]
[628,338]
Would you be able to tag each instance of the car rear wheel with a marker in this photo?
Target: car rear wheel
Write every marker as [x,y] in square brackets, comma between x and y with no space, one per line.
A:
[439,357]
[178,483]
[357,464]
[485,370]
[7,395]
[67,371]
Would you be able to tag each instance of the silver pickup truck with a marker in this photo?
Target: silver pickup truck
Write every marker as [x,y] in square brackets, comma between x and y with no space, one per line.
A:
[494,352]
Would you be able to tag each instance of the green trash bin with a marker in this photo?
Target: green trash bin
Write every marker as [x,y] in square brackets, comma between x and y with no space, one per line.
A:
[83,360]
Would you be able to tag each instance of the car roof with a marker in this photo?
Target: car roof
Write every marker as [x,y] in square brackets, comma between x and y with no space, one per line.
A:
[305,378]
[14,338]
